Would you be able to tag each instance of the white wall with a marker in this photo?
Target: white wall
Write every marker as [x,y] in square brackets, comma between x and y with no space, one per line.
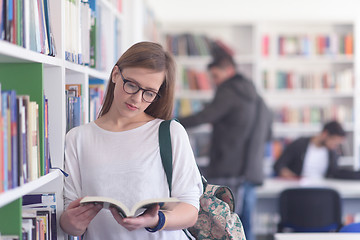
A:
[224,11]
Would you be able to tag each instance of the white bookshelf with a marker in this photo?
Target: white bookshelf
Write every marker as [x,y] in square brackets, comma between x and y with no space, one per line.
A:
[246,38]
[57,72]
[16,193]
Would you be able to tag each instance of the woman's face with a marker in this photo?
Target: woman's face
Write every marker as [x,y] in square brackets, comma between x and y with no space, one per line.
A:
[130,105]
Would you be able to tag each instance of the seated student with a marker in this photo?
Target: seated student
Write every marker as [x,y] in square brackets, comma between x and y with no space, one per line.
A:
[314,157]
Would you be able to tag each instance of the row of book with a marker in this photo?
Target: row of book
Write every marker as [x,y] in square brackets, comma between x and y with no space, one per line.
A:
[188,44]
[96,96]
[79,21]
[39,217]
[20,160]
[193,79]
[27,23]
[86,38]
[313,114]
[75,112]
[312,45]
[338,80]
[184,107]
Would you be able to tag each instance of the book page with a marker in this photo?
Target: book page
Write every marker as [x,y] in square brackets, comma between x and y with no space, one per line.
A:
[165,204]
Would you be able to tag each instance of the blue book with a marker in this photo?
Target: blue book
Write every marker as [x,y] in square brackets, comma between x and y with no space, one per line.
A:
[76,111]
[4,109]
[2,29]
[10,18]
[14,138]
[48,28]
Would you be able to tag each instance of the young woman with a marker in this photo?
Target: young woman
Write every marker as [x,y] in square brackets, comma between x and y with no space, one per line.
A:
[118,155]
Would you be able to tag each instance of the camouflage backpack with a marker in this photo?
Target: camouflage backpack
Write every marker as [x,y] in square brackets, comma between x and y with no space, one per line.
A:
[216,220]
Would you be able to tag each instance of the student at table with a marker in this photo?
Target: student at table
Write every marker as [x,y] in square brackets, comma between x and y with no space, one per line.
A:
[316,156]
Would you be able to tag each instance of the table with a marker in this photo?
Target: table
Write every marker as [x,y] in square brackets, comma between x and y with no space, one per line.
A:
[317,236]
[273,186]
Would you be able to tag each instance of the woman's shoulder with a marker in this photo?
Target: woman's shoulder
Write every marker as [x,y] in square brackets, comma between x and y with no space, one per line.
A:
[177,130]
[75,131]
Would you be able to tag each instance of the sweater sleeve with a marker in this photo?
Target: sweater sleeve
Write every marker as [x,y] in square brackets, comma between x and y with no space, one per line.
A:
[220,106]
[72,184]
[186,182]
[288,158]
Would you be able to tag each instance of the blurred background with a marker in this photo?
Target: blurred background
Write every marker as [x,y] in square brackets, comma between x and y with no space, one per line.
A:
[302,56]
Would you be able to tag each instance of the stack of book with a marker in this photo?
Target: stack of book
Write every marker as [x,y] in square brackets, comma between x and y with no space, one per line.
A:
[27,24]
[19,140]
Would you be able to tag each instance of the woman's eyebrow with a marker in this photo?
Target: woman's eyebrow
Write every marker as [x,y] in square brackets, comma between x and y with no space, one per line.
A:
[147,88]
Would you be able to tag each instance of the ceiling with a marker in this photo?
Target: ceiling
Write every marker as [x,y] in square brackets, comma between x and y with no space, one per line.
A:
[233,11]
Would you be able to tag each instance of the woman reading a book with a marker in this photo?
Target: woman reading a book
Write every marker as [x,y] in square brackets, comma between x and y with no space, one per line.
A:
[117,156]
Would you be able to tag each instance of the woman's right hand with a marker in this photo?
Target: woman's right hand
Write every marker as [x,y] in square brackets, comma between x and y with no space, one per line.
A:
[76,218]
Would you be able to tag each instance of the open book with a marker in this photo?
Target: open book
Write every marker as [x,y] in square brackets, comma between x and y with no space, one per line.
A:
[137,209]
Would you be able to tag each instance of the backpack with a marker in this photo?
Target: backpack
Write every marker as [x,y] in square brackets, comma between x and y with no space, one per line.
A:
[216,219]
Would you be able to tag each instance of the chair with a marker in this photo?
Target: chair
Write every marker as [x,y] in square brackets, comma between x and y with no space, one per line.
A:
[351,228]
[309,210]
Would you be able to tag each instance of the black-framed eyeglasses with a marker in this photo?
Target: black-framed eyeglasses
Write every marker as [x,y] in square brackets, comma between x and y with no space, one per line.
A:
[131,87]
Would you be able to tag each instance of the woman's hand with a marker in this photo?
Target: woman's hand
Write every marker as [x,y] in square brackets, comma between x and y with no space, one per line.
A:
[149,218]
[76,217]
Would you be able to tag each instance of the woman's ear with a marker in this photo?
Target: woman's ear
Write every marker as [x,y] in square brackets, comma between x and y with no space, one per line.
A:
[114,73]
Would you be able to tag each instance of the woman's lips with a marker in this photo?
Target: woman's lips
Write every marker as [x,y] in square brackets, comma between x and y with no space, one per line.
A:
[131,107]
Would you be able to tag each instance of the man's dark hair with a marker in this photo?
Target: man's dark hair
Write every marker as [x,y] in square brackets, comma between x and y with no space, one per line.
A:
[221,58]
[221,62]
[334,128]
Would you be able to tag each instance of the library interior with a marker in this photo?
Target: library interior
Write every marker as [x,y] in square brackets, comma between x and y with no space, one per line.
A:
[266,92]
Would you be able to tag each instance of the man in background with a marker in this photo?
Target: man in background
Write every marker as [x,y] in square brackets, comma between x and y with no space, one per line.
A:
[241,126]
[314,157]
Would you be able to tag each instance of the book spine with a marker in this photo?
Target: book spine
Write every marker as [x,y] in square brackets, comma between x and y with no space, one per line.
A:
[5,137]
[14,140]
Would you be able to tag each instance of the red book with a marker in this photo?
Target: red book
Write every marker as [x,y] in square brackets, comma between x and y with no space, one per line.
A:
[265,45]
[348,44]
[203,81]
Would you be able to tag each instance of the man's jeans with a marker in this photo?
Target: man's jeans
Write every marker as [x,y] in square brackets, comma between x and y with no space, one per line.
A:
[245,206]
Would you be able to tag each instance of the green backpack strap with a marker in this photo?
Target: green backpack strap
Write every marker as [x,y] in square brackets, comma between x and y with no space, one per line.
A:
[166,156]
[166,150]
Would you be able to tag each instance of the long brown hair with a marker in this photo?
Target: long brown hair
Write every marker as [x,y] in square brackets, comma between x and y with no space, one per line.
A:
[152,56]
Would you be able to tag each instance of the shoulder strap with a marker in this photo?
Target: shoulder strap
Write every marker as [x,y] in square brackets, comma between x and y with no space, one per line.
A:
[166,150]
[166,156]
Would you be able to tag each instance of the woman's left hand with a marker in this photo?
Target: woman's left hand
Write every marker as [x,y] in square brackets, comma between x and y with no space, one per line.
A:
[149,218]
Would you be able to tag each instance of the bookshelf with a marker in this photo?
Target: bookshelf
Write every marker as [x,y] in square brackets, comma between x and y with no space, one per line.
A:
[35,74]
[301,68]
[305,70]
[190,46]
